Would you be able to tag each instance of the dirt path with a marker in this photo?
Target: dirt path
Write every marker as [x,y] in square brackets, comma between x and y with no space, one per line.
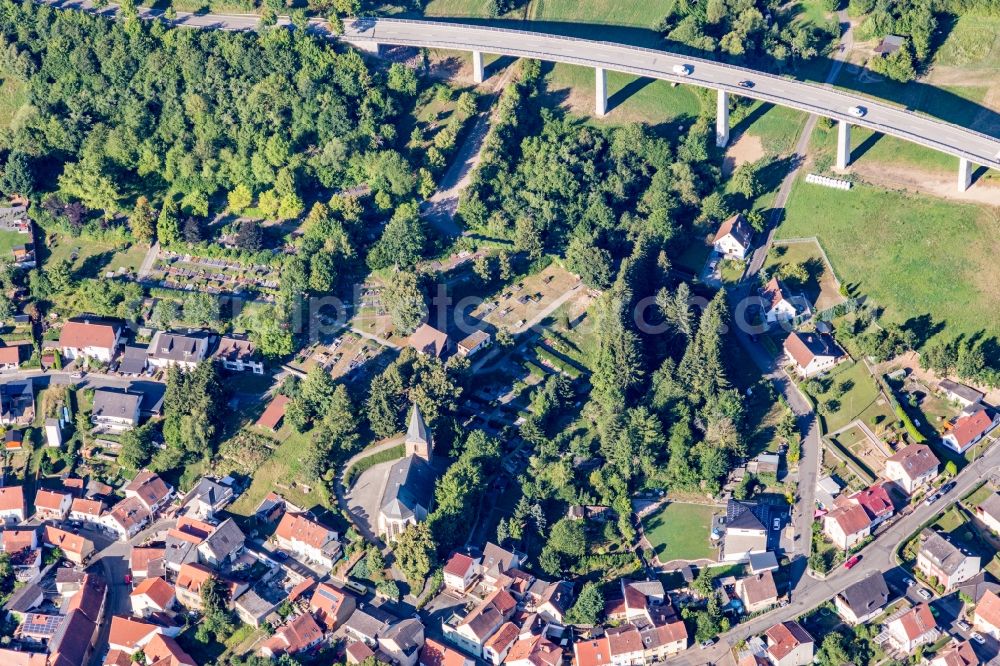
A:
[925,182]
[440,209]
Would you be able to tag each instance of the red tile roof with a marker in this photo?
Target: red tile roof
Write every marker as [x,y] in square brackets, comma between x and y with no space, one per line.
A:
[851,518]
[11,498]
[438,654]
[87,507]
[297,527]
[49,500]
[165,651]
[80,334]
[592,653]
[459,565]
[129,632]
[785,637]
[875,501]
[159,591]
[988,609]
[917,621]
[274,413]
[968,427]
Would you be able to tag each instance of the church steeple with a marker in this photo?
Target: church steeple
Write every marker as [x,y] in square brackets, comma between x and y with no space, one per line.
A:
[419,442]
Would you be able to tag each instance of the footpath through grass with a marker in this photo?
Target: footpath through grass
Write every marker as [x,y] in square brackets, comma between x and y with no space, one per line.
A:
[914,256]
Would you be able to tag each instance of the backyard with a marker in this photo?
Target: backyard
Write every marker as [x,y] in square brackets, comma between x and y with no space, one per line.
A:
[821,287]
[850,393]
[680,531]
[904,260]
[284,473]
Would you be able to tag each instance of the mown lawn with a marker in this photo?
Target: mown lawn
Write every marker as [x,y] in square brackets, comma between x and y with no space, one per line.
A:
[821,287]
[680,531]
[914,256]
[860,400]
[13,95]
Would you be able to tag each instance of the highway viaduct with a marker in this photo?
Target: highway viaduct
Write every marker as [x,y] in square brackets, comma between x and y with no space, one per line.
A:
[969,146]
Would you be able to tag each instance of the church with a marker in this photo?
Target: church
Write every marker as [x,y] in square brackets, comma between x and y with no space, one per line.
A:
[409,485]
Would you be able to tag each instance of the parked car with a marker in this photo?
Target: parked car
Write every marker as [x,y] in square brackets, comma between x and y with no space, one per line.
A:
[909,582]
[931,499]
[128,579]
[947,488]
[707,644]
[851,562]
[963,625]
[777,524]
[978,637]
[280,555]
[925,593]
[857,111]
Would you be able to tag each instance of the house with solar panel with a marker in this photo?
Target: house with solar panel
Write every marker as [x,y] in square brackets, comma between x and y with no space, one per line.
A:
[409,485]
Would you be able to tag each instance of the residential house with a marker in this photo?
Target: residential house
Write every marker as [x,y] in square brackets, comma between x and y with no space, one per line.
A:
[75,548]
[960,393]
[147,562]
[780,305]
[534,650]
[429,341]
[51,505]
[274,414]
[11,355]
[496,562]
[663,639]
[115,411]
[238,354]
[812,353]
[331,606]
[437,654]
[757,591]
[974,424]
[955,654]
[474,343]
[625,645]
[86,510]
[988,511]
[126,518]
[942,560]
[190,578]
[135,360]
[181,543]
[459,573]
[96,340]
[367,623]
[297,635]
[174,349]
[554,601]
[152,595]
[847,525]
[308,539]
[912,467]
[472,632]
[788,644]
[207,498]
[863,600]
[12,504]
[746,533]
[402,641]
[152,491]
[165,651]
[912,629]
[592,652]
[222,546]
[498,646]
[131,635]
[876,503]
[17,403]
[25,555]
[986,618]
[733,239]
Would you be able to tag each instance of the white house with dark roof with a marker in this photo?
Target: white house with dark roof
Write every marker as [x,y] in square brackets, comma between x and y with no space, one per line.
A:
[960,393]
[238,354]
[988,511]
[781,305]
[175,349]
[207,498]
[115,411]
[734,237]
[863,600]
[745,534]
[941,559]
[912,467]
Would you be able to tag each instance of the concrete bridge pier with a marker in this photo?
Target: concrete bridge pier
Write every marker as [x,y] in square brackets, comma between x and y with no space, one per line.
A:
[366,46]
[843,144]
[477,66]
[601,97]
[964,174]
[722,120]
